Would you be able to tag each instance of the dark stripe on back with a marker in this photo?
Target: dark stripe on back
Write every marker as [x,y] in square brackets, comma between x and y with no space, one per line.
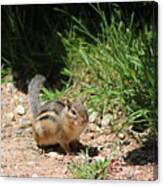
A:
[47,110]
[47,117]
[61,103]
[56,107]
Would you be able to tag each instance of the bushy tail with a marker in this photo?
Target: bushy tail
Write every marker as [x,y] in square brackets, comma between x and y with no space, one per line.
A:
[33,94]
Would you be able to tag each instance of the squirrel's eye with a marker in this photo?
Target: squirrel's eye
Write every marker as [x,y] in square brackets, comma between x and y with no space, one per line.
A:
[73,112]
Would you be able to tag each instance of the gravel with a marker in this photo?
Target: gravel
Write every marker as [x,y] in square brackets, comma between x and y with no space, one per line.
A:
[20,156]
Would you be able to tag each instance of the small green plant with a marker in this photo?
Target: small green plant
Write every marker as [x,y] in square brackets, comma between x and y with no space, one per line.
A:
[89,169]
[5,71]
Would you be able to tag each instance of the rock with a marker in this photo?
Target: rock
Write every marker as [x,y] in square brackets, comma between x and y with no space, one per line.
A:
[18,131]
[64,170]
[121,136]
[93,117]
[52,154]
[29,143]
[55,155]
[25,123]
[99,158]
[20,110]
[100,148]
[115,116]
[106,119]
[10,116]
[92,127]
[60,157]
[29,130]
[10,88]
[120,113]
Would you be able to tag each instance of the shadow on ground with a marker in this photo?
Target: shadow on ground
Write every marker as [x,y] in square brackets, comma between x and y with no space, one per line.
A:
[76,148]
[147,153]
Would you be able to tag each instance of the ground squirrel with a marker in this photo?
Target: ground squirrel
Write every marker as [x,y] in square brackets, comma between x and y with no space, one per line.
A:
[55,121]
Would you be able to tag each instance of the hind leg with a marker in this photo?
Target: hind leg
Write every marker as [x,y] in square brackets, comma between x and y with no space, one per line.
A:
[66,147]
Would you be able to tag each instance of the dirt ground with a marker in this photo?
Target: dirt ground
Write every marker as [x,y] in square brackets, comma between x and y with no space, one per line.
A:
[20,156]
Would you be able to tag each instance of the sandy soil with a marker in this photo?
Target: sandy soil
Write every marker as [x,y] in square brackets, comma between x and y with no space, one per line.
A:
[20,156]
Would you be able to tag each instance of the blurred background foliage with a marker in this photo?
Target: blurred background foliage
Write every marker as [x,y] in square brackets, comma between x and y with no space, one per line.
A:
[103,53]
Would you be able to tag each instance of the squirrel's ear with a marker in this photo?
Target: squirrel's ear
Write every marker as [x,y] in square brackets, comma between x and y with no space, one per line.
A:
[68,104]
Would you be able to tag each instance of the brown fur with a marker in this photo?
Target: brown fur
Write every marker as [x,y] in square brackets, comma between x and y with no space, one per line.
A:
[56,121]
[63,130]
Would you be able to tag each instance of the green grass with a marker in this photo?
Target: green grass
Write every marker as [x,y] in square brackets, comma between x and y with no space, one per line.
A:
[89,169]
[116,69]
[97,169]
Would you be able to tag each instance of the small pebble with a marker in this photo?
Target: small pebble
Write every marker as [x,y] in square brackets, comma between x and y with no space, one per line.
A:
[60,157]
[93,117]
[20,110]
[52,154]
[55,155]
[18,131]
[121,136]
[115,116]
[106,119]
[25,123]
[29,130]
[99,158]
[10,88]
[64,170]
[100,148]
[10,116]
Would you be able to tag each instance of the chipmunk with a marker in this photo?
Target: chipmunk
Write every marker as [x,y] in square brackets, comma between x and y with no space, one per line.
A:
[55,121]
